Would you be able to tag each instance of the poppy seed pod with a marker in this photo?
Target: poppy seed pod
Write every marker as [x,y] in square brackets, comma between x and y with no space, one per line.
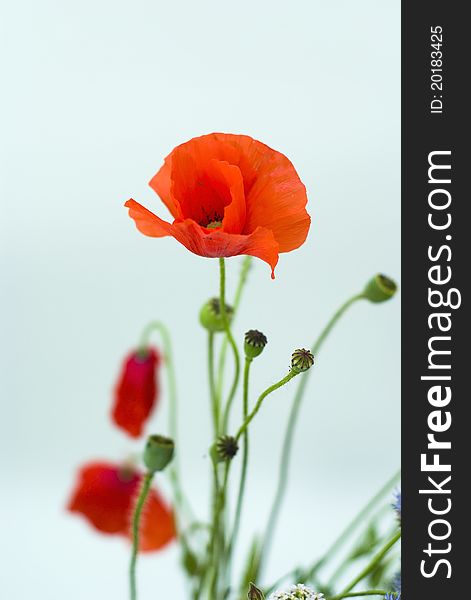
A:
[210,315]
[225,448]
[380,288]
[301,360]
[158,452]
[255,342]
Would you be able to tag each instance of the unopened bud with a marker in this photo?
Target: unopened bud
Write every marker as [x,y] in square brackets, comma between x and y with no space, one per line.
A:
[158,452]
[210,315]
[255,342]
[380,288]
[255,593]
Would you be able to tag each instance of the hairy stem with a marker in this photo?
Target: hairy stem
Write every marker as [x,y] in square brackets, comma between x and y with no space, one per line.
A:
[230,339]
[215,405]
[174,469]
[146,483]
[246,264]
[245,457]
[267,392]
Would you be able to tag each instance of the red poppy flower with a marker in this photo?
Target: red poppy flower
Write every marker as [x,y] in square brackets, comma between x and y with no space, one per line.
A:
[228,195]
[105,494]
[135,393]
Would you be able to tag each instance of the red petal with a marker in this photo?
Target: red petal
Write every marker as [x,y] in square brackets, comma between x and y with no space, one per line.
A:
[162,185]
[157,524]
[103,495]
[106,495]
[136,392]
[200,181]
[204,242]
[147,223]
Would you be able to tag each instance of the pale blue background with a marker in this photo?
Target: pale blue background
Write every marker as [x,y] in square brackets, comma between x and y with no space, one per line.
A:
[95,94]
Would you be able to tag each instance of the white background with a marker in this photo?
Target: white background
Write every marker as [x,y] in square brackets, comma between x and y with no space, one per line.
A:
[95,94]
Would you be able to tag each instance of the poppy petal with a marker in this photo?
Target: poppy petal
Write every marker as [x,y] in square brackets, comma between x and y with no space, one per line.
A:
[235,212]
[157,526]
[147,223]
[106,495]
[161,183]
[277,201]
[103,495]
[233,179]
[205,242]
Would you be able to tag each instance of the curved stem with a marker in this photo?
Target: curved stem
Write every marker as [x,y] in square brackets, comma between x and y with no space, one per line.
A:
[246,264]
[245,457]
[170,368]
[371,565]
[268,391]
[361,594]
[230,338]
[146,483]
[290,429]
[174,468]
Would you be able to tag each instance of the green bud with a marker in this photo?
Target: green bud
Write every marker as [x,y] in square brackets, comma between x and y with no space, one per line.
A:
[210,315]
[190,562]
[158,452]
[255,593]
[380,288]
[255,342]
[301,360]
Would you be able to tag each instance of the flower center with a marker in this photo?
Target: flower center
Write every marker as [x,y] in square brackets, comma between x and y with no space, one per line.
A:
[214,225]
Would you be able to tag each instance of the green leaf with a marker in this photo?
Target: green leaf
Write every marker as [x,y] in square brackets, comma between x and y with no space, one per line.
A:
[367,544]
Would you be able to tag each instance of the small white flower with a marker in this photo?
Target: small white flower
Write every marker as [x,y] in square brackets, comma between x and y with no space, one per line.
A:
[296,592]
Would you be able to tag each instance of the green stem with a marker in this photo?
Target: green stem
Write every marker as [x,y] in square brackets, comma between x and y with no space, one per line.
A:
[290,429]
[361,594]
[245,456]
[268,391]
[346,562]
[353,525]
[371,565]
[135,532]
[170,368]
[174,468]
[230,338]
[342,538]
[218,535]
[212,385]
[246,263]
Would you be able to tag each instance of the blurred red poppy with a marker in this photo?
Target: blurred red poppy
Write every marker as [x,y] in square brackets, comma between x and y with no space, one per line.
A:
[105,494]
[228,195]
[136,391]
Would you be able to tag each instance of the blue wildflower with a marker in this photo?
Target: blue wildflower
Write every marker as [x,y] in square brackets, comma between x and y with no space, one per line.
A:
[397,582]
[397,504]
[393,596]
